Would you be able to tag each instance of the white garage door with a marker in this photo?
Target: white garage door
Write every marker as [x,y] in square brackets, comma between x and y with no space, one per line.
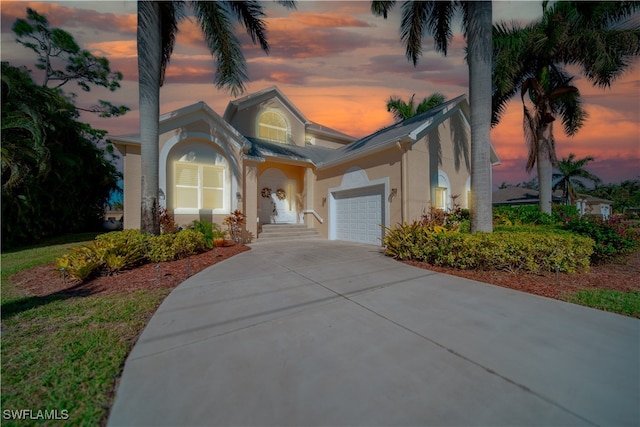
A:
[359,214]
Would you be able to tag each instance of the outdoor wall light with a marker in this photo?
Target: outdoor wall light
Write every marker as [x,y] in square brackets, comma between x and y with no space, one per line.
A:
[238,196]
[161,194]
[324,201]
[392,195]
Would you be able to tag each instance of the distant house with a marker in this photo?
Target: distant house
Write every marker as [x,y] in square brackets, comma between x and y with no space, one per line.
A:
[266,158]
[517,196]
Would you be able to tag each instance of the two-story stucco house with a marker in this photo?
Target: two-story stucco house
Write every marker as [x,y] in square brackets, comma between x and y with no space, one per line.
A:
[264,157]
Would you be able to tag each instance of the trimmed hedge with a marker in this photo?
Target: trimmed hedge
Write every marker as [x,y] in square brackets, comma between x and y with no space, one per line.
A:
[523,251]
[121,250]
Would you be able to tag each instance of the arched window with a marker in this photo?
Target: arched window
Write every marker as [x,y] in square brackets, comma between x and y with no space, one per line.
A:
[442,192]
[273,127]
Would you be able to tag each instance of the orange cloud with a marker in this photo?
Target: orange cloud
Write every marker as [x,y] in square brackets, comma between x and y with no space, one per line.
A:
[332,20]
[114,49]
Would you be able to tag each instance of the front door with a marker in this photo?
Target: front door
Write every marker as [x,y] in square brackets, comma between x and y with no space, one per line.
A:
[277,193]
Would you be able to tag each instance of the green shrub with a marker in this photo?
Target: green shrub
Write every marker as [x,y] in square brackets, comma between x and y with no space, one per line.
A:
[120,250]
[523,251]
[169,247]
[161,248]
[529,214]
[613,237]
[82,263]
[107,254]
[563,213]
[209,230]
[188,242]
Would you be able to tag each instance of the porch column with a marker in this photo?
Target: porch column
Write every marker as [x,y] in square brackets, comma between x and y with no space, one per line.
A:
[250,198]
[309,180]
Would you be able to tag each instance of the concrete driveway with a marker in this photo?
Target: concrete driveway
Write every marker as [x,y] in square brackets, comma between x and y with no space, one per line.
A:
[335,334]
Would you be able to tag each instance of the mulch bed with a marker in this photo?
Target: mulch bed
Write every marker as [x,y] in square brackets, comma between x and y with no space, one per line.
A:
[45,280]
[622,275]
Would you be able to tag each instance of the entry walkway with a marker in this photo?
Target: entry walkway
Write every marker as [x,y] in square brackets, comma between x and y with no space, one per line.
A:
[314,333]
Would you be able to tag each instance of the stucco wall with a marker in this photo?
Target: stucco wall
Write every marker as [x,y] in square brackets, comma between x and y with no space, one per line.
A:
[246,120]
[381,166]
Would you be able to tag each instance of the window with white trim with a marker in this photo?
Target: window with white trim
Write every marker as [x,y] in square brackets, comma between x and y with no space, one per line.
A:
[198,186]
[441,198]
[273,127]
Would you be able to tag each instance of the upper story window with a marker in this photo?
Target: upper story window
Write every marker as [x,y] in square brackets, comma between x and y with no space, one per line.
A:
[273,127]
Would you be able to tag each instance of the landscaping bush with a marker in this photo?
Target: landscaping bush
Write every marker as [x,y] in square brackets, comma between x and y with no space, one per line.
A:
[613,237]
[523,251]
[508,215]
[210,231]
[120,250]
[161,248]
[188,242]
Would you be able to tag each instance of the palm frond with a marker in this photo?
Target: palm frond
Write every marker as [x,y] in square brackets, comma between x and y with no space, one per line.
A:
[412,27]
[250,13]
[171,12]
[430,102]
[217,28]
[382,7]
[529,126]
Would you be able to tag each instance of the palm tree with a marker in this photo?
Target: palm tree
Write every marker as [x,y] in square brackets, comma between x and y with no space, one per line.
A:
[156,34]
[571,172]
[403,110]
[434,18]
[597,37]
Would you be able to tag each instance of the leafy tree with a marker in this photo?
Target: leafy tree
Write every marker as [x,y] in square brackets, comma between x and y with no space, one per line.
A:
[55,178]
[625,195]
[63,61]
[434,18]
[570,176]
[157,29]
[403,110]
[597,37]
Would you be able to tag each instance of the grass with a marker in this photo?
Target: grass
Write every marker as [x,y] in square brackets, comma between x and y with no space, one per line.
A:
[627,303]
[65,353]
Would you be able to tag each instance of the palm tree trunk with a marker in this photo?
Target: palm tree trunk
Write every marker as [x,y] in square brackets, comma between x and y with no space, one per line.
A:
[149,63]
[479,32]
[545,171]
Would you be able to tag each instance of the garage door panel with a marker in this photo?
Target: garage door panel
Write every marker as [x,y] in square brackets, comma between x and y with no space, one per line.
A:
[359,214]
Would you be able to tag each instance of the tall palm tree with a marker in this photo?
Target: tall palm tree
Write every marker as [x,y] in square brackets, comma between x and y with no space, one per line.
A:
[156,34]
[597,37]
[434,18]
[405,110]
[571,172]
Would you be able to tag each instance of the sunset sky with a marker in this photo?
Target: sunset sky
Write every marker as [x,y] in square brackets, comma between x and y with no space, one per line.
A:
[338,64]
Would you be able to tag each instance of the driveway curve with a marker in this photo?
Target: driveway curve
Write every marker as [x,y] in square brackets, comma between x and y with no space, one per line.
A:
[327,333]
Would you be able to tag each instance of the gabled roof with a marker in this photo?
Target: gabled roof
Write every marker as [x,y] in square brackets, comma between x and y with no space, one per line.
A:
[261,149]
[182,116]
[405,132]
[322,130]
[515,196]
[526,196]
[259,97]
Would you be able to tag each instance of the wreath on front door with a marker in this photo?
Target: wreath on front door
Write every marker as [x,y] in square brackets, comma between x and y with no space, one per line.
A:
[280,194]
[266,192]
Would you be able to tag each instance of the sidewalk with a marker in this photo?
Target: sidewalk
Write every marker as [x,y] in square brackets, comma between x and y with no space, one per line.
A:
[334,334]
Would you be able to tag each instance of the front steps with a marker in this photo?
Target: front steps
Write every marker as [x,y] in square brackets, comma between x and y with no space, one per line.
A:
[274,232]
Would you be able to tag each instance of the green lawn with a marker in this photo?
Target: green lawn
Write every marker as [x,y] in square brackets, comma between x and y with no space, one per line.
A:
[627,303]
[65,353]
